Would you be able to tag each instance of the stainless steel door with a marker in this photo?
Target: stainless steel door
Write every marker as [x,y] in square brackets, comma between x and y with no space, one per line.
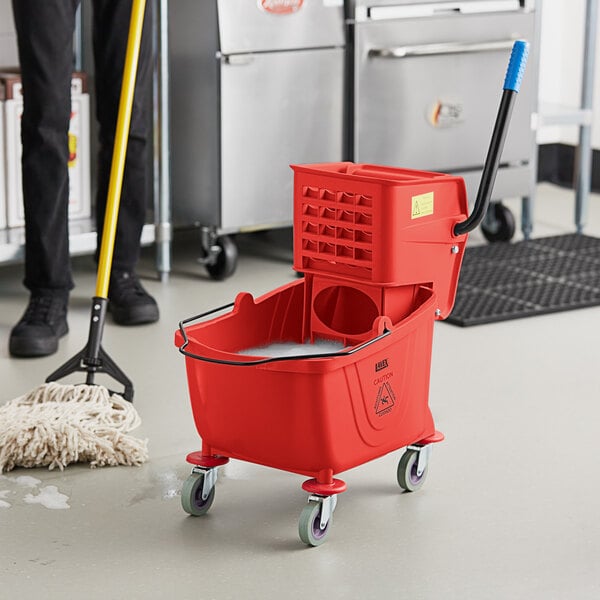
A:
[267,25]
[277,108]
[427,90]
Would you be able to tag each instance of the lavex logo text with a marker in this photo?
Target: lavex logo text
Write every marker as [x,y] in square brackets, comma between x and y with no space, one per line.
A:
[382,364]
[281,7]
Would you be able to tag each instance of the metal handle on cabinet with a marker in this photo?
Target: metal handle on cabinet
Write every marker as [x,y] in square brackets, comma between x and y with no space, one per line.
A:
[238,60]
[442,48]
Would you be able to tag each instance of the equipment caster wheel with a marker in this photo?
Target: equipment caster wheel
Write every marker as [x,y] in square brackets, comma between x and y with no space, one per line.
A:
[224,262]
[192,499]
[408,476]
[309,527]
[498,224]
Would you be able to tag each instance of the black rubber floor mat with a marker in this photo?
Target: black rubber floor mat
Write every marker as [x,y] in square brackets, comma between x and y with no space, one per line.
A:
[504,281]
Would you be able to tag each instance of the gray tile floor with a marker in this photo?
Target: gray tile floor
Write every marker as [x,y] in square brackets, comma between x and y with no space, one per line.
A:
[509,510]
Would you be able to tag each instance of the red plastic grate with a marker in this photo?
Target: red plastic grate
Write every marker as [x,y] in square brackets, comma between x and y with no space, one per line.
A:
[337,225]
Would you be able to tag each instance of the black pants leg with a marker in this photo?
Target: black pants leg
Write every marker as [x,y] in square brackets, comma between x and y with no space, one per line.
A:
[111,25]
[45,42]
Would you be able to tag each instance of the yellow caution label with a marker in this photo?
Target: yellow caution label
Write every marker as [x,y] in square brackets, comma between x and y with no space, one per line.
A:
[422,205]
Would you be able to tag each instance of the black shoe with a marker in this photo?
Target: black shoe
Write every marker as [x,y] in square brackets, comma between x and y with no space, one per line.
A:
[40,327]
[129,302]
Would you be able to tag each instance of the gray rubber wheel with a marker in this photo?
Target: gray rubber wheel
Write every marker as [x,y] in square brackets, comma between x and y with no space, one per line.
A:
[309,526]
[191,496]
[407,472]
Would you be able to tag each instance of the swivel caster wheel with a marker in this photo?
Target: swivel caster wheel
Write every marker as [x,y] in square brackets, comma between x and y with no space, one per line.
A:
[410,476]
[498,224]
[316,519]
[222,261]
[196,499]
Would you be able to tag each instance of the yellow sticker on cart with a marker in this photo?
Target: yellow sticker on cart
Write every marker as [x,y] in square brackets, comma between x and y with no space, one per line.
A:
[422,205]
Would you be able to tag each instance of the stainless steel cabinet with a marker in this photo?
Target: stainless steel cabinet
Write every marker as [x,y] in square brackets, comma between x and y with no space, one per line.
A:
[427,84]
[276,108]
[255,87]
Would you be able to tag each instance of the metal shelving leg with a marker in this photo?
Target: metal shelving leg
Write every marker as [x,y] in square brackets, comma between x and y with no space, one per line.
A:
[526,216]
[584,151]
[162,196]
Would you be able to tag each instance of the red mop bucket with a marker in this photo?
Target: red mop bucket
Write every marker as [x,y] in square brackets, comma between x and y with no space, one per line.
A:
[316,416]
[381,250]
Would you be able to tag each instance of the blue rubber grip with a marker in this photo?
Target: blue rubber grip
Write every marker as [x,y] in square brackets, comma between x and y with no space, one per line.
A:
[516,66]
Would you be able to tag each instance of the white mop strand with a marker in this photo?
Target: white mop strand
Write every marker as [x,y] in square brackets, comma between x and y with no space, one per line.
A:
[56,424]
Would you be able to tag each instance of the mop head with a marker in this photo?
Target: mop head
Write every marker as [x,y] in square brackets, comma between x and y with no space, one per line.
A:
[55,424]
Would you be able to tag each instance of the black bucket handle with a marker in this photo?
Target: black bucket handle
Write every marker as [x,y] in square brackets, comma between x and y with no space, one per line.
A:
[271,359]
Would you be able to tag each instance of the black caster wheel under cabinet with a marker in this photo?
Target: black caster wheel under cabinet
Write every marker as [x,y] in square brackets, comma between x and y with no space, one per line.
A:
[498,224]
[220,256]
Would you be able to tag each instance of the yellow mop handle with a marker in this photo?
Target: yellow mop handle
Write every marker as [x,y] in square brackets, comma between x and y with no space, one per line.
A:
[120,149]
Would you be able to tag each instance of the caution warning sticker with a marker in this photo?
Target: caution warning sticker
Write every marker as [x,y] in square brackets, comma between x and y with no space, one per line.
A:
[385,400]
[422,205]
